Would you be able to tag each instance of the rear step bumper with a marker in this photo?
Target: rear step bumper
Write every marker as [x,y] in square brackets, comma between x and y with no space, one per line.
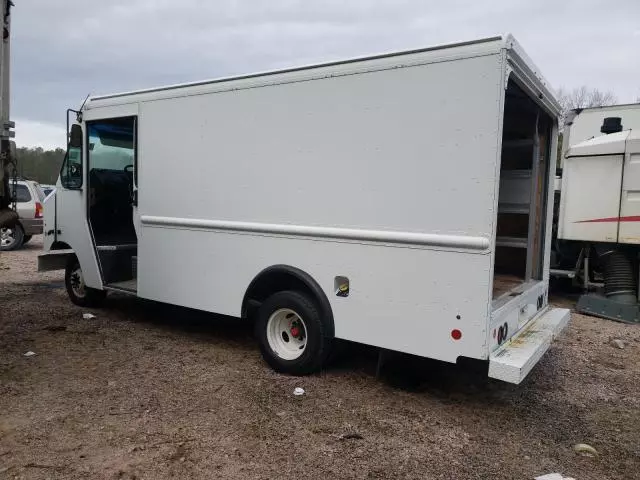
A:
[515,359]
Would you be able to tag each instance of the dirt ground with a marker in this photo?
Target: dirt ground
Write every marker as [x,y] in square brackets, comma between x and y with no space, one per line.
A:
[150,391]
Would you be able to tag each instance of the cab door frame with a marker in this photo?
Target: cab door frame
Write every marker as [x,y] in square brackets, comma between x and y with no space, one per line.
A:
[110,253]
[90,114]
[65,223]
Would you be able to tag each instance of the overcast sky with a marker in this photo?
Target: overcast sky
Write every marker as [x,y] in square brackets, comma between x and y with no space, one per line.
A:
[62,50]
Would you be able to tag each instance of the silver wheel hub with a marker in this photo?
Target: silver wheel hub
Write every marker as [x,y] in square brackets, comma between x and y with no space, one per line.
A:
[7,237]
[286,334]
[77,283]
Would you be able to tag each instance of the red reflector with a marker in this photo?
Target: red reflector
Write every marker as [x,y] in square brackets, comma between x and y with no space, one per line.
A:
[456,334]
[38,210]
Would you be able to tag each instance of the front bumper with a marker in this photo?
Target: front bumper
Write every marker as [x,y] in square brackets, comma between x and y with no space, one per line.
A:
[32,226]
[515,359]
[54,260]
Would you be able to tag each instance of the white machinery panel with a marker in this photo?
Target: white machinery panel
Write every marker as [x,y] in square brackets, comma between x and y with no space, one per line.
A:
[586,124]
[591,198]
[630,204]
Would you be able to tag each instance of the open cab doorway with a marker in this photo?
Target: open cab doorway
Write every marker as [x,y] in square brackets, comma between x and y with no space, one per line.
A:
[111,199]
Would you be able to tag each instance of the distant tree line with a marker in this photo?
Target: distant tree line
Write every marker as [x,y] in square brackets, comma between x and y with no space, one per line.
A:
[584,97]
[38,164]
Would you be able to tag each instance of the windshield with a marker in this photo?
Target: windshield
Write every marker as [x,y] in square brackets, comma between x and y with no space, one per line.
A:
[111,144]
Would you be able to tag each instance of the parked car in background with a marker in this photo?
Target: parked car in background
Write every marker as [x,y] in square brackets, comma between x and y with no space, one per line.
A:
[29,199]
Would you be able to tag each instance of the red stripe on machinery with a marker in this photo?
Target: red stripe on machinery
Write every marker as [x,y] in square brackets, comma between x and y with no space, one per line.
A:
[631,218]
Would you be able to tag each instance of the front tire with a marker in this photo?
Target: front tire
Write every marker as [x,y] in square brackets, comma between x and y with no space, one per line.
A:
[292,333]
[78,292]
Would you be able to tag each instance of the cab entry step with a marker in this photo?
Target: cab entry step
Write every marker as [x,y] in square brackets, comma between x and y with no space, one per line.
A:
[515,359]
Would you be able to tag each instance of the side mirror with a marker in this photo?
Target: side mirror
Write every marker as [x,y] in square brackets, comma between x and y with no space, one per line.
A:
[71,172]
[75,136]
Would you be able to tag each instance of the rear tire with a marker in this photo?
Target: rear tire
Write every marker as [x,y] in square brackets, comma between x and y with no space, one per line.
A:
[292,333]
[78,292]
[26,239]
[11,238]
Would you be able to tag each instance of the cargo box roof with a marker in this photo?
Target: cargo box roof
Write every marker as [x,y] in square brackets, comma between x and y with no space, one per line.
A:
[483,46]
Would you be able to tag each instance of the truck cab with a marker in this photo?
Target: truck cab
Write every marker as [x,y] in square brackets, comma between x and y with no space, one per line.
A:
[91,211]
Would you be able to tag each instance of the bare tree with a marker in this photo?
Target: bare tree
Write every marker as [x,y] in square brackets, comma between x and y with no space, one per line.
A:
[583,97]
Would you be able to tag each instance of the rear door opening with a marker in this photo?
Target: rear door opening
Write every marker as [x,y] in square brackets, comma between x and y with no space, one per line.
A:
[524,173]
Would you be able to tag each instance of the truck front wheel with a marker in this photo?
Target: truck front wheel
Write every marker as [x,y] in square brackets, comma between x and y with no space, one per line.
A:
[292,333]
[78,292]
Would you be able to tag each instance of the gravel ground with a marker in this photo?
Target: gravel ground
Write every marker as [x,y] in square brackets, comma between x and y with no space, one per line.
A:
[146,390]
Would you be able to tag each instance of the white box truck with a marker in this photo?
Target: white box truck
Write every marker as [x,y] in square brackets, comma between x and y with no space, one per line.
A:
[398,200]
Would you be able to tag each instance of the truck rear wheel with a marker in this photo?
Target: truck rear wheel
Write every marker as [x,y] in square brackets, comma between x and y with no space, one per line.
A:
[292,333]
[78,292]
